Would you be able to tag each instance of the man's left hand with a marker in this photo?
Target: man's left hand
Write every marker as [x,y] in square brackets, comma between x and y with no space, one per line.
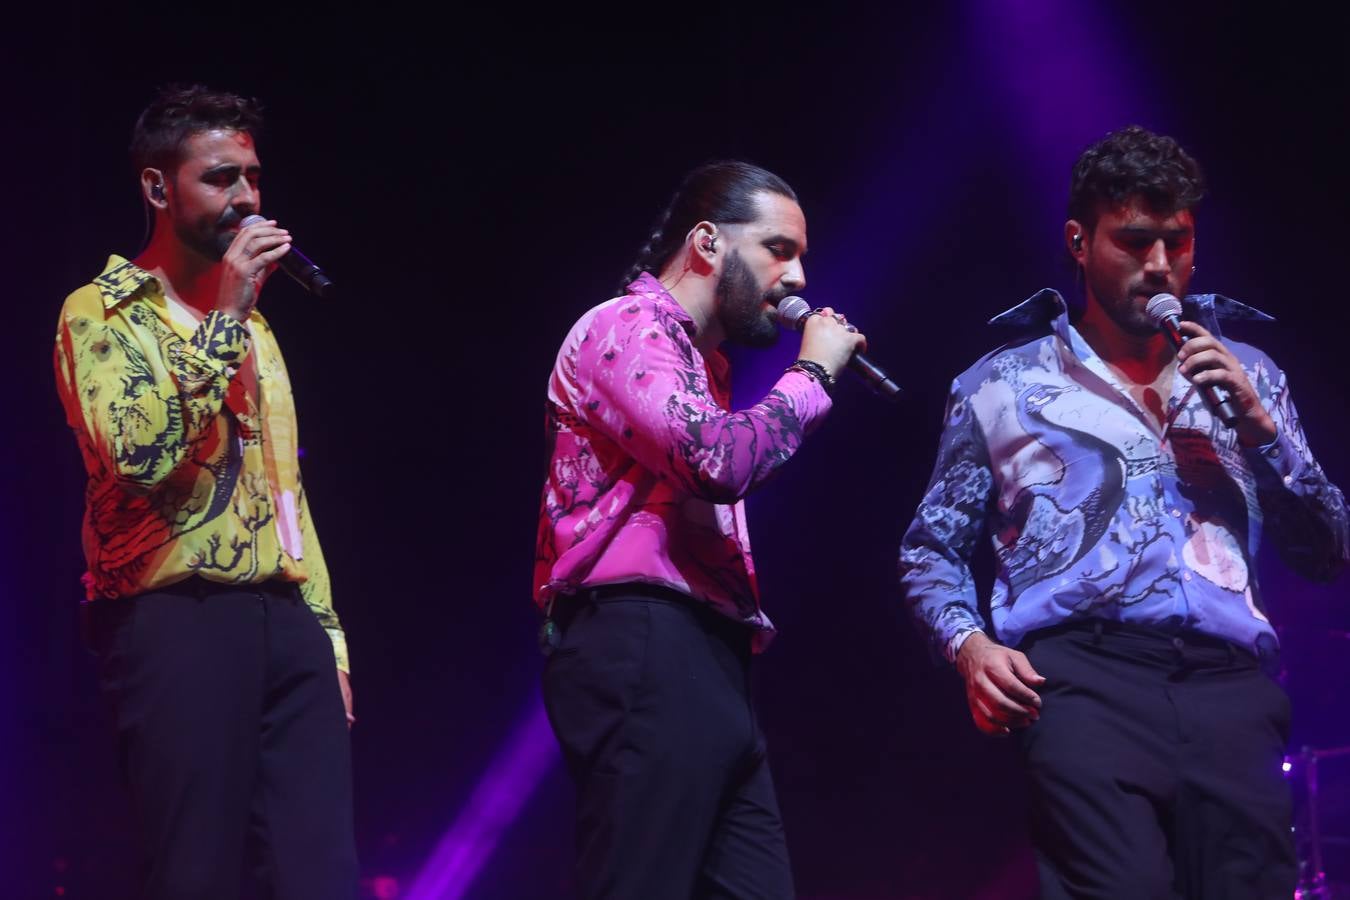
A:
[345,685]
[1204,360]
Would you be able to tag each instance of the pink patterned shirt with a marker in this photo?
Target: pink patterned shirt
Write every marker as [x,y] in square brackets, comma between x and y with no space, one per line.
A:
[647,464]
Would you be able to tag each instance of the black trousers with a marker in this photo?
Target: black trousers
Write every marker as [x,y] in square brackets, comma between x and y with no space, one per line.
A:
[232,738]
[649,697]
[1155,768]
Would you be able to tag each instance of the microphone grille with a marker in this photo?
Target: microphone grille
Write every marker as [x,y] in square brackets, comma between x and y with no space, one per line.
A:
[791,310]
[1160,306]
[226,238]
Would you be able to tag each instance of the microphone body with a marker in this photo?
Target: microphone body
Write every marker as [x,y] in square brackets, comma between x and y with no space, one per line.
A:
[299,266]
[793,313]
[1165,312]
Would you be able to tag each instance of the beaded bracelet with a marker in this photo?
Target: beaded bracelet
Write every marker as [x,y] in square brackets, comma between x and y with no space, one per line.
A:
[815,371]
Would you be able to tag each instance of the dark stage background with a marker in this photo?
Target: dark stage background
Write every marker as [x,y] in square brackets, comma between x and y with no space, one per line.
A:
[474,186]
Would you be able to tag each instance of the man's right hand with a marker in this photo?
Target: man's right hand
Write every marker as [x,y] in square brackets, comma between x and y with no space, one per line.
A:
[999,685]
[828,340]
[251,257]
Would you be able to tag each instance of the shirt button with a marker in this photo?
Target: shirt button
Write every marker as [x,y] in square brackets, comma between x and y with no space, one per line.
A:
[1176,514]
[1289,481]
[1186,576]
[1273,452]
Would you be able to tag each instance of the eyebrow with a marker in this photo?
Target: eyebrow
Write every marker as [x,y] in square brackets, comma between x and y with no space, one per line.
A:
[1142,231]
[224,168]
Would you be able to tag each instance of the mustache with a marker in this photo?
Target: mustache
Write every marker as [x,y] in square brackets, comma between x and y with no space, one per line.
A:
[1151,287]
[230,218]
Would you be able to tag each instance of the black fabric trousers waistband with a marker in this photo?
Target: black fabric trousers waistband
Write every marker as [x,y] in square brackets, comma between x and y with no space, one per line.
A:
[565,608]
[1185,644]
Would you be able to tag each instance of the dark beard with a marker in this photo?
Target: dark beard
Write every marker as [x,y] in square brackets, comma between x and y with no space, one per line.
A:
[210,241]
[1126,315]
[739,309]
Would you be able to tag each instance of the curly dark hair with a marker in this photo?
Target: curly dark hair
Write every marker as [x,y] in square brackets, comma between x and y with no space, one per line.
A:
[721,192]
[1134,162]
[180,111]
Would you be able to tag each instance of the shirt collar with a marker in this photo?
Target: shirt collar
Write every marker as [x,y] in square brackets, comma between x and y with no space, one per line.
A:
[1048,307]
[649,286]
[122,280]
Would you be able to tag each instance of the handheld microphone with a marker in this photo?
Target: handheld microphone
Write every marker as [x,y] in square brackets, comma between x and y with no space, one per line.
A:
[299,266]
[793,313]
[1164,310]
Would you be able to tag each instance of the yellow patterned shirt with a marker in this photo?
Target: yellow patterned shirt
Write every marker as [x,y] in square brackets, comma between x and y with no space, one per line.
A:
[189,438]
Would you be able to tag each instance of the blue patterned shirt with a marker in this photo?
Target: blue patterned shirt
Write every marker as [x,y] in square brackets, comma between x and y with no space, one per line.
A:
[1095,512]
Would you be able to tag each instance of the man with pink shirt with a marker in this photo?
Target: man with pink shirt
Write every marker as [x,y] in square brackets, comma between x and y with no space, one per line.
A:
[643,564]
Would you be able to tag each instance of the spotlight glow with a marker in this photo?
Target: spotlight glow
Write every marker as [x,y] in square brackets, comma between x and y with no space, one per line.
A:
[510,779]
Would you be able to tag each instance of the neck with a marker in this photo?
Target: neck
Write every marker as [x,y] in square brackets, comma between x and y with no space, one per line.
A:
[1139,357]
[186,275]
[697,295]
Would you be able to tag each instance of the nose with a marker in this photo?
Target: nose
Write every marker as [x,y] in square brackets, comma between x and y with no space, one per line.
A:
[794,277]
[1157,261]
[245,197]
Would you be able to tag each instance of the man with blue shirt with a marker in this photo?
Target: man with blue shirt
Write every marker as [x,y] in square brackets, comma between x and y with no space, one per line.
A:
[1131,643]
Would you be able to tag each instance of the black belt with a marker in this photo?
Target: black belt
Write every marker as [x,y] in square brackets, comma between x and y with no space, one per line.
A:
[199,587]
[565,607]
[631,589]
[1178,638]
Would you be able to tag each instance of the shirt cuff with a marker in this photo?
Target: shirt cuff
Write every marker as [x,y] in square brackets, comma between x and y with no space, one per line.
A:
[339,639]
[957,641]
[807,396]
[1279,457]
[221,339]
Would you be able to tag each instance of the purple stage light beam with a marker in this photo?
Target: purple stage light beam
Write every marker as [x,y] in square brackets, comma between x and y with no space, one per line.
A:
[527,756]
[1067,73]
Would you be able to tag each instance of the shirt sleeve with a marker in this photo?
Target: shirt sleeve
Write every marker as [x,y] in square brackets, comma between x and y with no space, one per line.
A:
[645,387]
[317,589]
[1305,513]
[141,416]
[935,576]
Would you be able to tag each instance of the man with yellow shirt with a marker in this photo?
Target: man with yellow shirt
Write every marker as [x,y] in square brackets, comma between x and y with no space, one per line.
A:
[209,602]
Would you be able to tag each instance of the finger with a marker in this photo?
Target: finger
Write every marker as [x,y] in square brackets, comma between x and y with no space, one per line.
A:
[1218,377]
[1193,329]
[1195,346]
[269,257]
[988,727]
[245,237]
[983,724]
[257,230]
[264,239]
[1005,700]
[1012,686]
[1207,359]
[986,721]
[251,228]
[1000,704]
[1025,671]
[983,712]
